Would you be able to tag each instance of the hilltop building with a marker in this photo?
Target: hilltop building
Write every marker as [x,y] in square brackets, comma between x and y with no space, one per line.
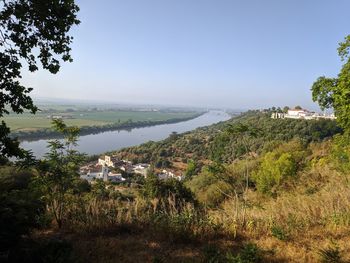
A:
[301,114]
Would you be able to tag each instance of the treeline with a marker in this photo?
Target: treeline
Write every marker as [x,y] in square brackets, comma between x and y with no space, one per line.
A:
[86,130]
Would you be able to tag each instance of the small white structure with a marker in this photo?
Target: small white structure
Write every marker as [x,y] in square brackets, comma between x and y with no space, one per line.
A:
[108,161]
[115,177]
[277,115]
[297,114]
[101,172]
[128,168]
[167,175]
[141,168]
[98,172]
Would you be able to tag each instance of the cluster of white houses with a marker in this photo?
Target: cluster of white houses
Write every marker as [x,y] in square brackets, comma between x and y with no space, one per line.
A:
[92,173]
[102,170]
[301,114]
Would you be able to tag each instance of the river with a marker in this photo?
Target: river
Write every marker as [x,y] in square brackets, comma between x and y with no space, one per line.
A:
[115,140]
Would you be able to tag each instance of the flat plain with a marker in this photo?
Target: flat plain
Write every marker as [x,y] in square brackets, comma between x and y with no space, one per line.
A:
[88,117]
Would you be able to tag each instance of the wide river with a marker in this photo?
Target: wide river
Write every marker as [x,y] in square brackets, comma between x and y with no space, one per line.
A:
[115,140]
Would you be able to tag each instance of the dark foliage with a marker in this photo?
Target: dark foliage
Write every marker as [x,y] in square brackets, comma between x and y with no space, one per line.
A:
[155,188]
[30,30]
[20,207]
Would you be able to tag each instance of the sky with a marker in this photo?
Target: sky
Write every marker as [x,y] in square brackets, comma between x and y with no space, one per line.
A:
[239,54]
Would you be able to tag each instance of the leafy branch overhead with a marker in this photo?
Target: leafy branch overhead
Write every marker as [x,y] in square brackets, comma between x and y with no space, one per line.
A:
[335,92]
[31,32]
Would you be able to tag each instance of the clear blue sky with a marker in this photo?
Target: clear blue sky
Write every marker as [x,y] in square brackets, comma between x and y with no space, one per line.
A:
[231,53]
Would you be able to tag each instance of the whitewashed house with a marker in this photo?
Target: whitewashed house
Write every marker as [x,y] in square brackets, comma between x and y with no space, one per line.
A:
[164,175]
[141,168]
[108,161]
[297,114]
[93,173]
[100,172]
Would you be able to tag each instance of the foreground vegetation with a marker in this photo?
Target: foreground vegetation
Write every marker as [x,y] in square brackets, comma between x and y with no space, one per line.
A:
[280,196]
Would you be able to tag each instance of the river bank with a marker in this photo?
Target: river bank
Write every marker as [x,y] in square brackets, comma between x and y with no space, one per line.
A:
[113,140]
[48,133]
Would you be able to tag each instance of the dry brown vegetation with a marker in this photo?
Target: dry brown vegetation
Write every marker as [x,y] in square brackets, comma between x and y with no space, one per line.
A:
[288,201]
[311,215]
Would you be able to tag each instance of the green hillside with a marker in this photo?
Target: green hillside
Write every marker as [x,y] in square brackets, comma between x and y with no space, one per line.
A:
[256,189]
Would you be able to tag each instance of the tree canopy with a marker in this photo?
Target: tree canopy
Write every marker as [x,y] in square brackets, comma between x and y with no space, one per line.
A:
[30,31]
[335,92]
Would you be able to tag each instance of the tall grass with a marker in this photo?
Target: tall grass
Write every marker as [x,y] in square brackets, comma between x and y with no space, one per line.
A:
[169,218]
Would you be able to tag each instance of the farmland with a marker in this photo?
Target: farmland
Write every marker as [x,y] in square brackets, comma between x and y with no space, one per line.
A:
[92,117]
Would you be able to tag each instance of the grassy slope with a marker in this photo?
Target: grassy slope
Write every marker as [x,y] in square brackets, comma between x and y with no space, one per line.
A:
[202,142]
[310,212]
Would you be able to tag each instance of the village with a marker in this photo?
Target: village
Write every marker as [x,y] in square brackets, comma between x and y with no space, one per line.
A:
[111,169]
[299,113]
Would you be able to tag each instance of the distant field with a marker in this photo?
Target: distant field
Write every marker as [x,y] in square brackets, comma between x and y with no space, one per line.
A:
[123,116]
[29,122]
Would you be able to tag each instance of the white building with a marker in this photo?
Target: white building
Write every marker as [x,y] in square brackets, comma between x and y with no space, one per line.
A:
[164,175]
[100,172]
[298,114]
[108,161]
[277,115]
[141,168]
[301,114]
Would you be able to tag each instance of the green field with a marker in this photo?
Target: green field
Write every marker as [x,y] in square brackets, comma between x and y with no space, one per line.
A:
[30,122]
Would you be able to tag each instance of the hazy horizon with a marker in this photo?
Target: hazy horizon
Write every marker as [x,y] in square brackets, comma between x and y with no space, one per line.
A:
[228,54]
[69,102]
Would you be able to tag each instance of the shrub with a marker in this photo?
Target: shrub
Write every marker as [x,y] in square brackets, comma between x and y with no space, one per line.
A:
[277,165]
[155,188]
[213,255]
[341,153]
[20,208]
[330,254]
[279,233]
[250,253]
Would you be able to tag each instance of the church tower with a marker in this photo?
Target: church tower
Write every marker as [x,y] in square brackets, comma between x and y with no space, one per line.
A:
[105,173]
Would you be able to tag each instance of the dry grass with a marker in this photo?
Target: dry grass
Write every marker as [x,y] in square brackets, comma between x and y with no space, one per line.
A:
[313,214]
[309,214]
[293,227]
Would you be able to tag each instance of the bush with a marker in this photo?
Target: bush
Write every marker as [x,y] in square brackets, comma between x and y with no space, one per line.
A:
[250,253]
[20,208]
[213,255]
[279,233]
[155,188]
[278,165]
[341,153]
[330,254]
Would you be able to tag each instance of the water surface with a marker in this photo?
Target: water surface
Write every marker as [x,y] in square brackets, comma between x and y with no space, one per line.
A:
[115,140]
